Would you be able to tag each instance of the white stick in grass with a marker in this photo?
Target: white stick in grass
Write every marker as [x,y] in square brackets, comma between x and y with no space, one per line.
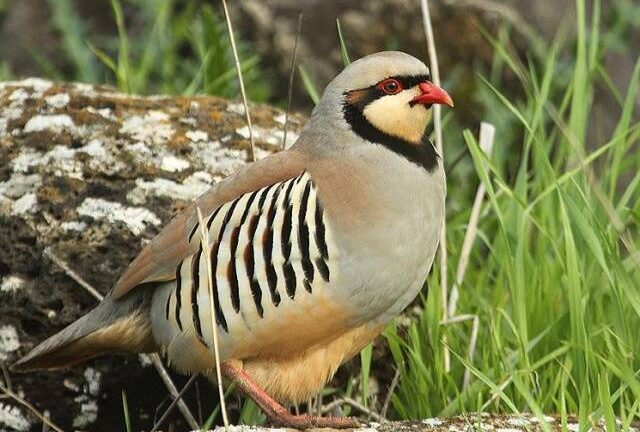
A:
[487,133]
[239,71]
[204,240]
[437,126]
[471,350]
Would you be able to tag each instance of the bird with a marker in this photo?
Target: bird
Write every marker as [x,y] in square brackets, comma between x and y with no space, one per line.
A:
[312,251]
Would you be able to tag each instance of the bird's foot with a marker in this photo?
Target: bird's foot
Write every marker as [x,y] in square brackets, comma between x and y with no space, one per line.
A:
[276,414]
[303,422]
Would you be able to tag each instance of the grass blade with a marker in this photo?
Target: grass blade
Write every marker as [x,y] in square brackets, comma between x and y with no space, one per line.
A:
[309,86]
[343,46]
[125,410]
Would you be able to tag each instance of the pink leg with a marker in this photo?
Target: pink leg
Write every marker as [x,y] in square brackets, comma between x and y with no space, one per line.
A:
[276,414]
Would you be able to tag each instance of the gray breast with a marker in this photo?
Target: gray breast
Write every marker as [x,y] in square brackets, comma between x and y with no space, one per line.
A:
[387,263]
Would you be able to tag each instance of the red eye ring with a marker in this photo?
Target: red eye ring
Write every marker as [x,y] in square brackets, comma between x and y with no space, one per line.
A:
[390,86]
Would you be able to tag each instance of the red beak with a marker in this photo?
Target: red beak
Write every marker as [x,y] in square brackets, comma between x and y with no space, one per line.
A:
[432,94]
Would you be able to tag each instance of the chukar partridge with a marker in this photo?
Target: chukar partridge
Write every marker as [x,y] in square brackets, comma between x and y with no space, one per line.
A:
[313,250]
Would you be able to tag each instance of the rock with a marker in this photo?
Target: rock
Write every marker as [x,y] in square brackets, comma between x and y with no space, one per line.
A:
[93,174]
[471,422]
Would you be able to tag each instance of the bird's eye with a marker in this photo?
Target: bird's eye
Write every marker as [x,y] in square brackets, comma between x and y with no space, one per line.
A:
[390,86]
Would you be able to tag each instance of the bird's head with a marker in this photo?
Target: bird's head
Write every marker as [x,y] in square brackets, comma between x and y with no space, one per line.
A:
[387,95]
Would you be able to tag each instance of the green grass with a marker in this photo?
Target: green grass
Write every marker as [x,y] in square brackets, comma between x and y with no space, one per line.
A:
[125,411]
[173,47]
[554,276]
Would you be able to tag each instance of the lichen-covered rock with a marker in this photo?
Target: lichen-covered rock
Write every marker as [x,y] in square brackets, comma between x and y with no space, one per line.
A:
[92,174]
[469,423]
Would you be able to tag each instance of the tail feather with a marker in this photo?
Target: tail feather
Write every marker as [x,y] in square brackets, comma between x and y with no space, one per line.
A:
[113,326]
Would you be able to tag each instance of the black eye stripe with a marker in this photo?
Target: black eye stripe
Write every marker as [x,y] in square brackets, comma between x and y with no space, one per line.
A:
[406,81]
[411,80]
[374,92]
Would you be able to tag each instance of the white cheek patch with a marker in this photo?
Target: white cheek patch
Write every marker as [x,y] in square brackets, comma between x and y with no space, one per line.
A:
[394,115]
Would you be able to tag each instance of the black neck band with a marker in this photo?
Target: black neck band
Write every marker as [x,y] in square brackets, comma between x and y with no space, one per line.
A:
[423,154]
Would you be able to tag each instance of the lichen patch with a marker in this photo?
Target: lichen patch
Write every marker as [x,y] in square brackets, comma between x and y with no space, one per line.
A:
[62,160]
[433,422]
[106,113]
[519,422]
[11,283]
[197,135]
[28,203]
[59,100]
[236,108]
[172,163]
[38,85]
[59,160]
[73,226]
[167,188]
[55,123]
[100,158]
[13,418]
[280,118]
[25,160]
[93,378]
[152,128]
[225,162]
[88,411]
[9,341]
[269,136]
[218,159]
[136,219]
[19,95]
[19,184]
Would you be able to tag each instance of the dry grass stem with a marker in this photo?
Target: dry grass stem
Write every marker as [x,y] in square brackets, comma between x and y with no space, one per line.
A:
[496,393]
[354,404]
[73,275]
[437,125]
[170,385]
[392,388]
[292,72]
[204,238]
[457,319]
[471,350]
[30,407]
[173,403]
[45,427]
[6,376]
[473,340]
[487,134]
[241,81]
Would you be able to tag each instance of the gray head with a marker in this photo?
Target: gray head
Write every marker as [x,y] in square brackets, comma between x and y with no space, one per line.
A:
[383,98]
